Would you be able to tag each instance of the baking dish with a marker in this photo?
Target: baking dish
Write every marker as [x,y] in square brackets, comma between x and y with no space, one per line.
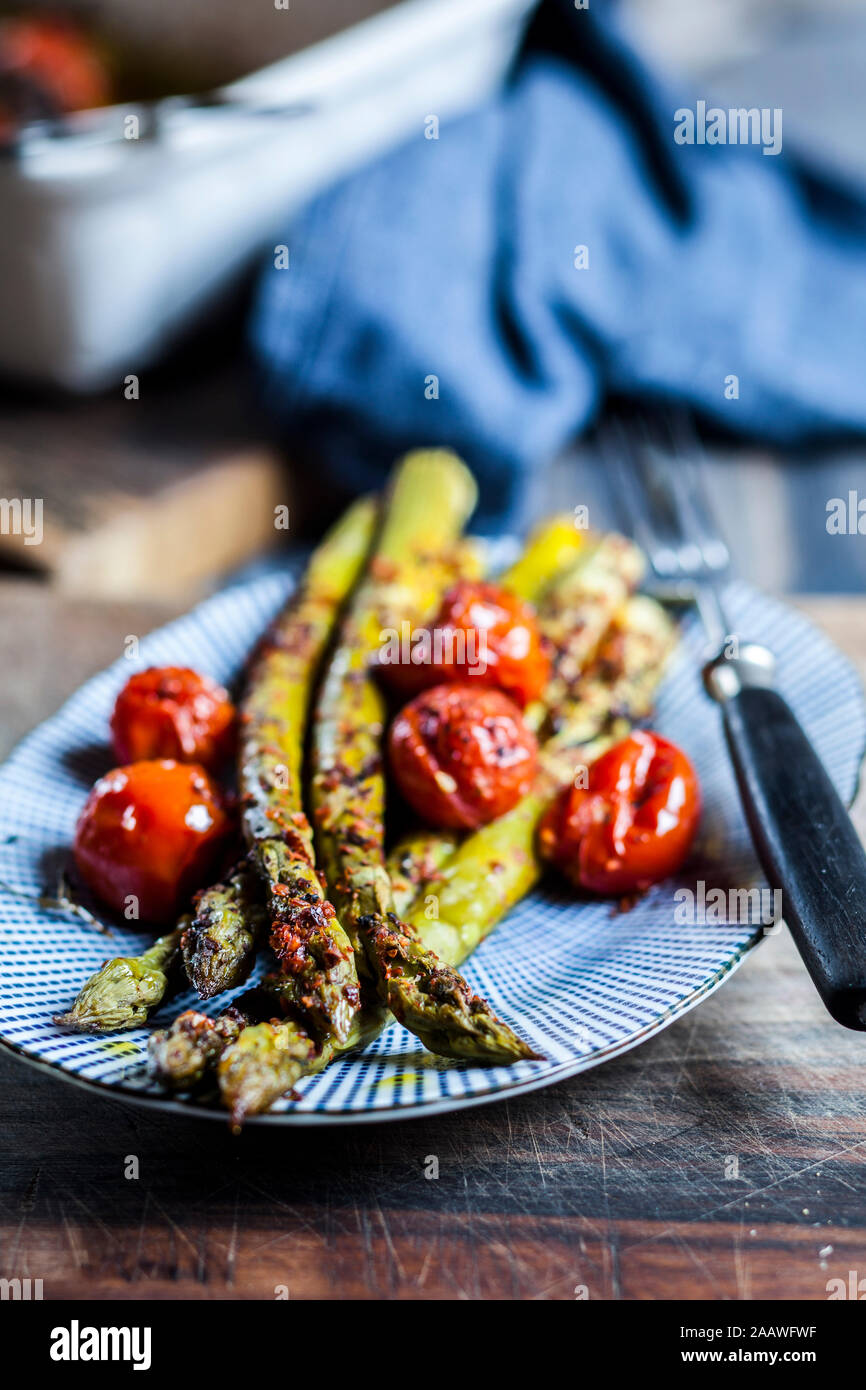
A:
[109,248]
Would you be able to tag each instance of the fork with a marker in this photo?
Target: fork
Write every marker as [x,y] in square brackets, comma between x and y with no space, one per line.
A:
[803,836]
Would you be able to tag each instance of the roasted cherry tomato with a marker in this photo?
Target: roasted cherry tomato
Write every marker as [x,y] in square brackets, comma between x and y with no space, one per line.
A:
[632,825]
[481,633]
[462,755]
[172,712]
[153,832]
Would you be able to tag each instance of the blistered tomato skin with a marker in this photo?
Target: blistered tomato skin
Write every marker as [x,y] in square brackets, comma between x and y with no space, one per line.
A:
[633,825]
[461,755]
[149,836]
[482,634]
[173,712]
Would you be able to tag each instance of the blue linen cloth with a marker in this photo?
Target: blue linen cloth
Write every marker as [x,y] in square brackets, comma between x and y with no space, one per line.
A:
[434,296]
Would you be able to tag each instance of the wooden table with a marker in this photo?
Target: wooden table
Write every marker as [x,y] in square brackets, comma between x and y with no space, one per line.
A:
[725,1159]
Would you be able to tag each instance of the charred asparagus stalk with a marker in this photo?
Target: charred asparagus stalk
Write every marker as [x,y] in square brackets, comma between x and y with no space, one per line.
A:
[316,958]
[552,550]
[495,867]
[125,990]
[431,498]
[262,1064]
[414,861]
[268,1058]
[219,945]
[314,952]
[182,1055]
[575,613]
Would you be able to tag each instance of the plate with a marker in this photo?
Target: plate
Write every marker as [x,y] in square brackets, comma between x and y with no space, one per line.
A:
[583,981]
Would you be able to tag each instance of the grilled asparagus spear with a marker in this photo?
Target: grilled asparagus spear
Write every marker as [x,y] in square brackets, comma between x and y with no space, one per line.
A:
[269,1057]
[498,865]
[126,989]
[430,499]
[574,614]
[262,1064]
[181,1055]
[552,549]
[414,860]
[432,496]
[314,952]
[219,942]
[219,945]
[433,1000]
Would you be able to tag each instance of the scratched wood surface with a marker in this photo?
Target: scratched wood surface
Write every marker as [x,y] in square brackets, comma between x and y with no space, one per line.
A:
[724,1159]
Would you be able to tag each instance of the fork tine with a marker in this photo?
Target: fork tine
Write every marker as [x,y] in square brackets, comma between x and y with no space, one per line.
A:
[661,490]
[637,498]
[656,524]
[689,477]
[681,469]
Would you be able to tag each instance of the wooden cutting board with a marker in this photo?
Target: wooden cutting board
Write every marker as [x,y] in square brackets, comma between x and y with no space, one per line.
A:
[139,499]
[128,540]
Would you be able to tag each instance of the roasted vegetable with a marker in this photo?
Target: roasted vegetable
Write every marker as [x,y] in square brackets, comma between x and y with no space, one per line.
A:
[415,860]
[552,549]
[150,835]
[488,873]
[268,1058]
[173,712]
[261,1065]
[633,822]
[185,1054]
[319,980]
[575,613]
[461,755]
[124,991]
[429,502]
[182,1055]
[576,578]
[430,499]
[481,635]
[433,1001]
[219,945]
[316,957]
[280,681]
[621,683]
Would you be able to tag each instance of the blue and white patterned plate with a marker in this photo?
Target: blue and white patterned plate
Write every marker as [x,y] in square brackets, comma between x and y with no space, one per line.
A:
[582,981]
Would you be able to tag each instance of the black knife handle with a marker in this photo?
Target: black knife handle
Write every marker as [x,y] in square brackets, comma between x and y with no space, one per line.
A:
[802,833]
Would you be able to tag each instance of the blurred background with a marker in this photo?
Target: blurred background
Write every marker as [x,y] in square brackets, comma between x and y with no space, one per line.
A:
[127,400]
